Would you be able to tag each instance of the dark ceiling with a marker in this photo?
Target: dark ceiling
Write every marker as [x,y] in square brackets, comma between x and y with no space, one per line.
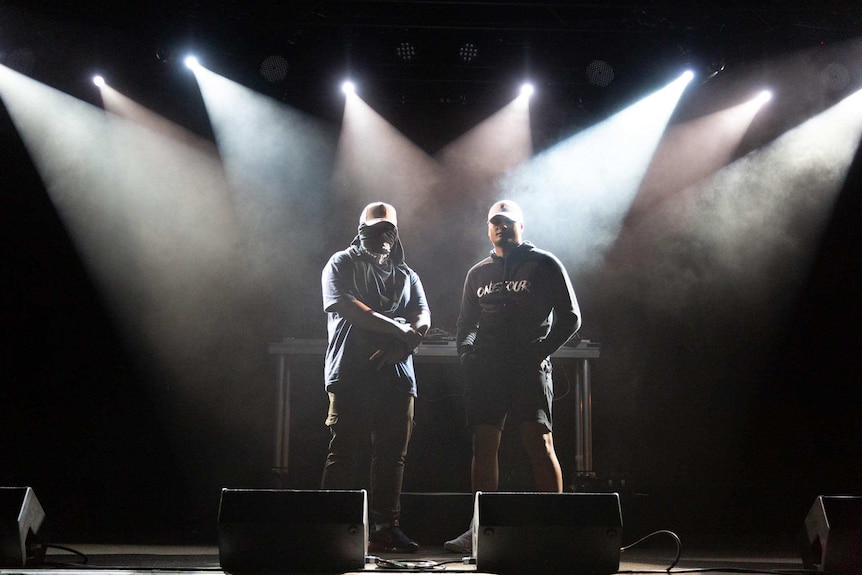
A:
[553,42]
[587,59]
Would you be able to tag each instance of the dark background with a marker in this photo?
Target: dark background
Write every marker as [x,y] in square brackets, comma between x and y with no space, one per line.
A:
[718,428]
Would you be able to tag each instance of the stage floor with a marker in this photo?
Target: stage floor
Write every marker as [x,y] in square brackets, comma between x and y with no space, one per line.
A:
[742,557]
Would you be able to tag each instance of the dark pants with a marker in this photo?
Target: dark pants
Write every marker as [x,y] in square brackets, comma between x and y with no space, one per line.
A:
[383,414]
[507,385]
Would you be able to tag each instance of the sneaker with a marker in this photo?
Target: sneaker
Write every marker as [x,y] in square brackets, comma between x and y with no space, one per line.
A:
[390,538]
[461,544]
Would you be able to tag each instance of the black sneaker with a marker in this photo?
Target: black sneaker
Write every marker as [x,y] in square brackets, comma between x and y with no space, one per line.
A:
[390,538]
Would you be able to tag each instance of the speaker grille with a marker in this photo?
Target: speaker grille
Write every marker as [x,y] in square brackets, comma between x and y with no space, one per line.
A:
[287,531]
[548,533]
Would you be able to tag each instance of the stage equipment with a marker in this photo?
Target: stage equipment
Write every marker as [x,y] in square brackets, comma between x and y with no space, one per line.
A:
[21,517]
[468,52]
[406,51]
[287,531]
[831,537]
[547,533]
[290,352]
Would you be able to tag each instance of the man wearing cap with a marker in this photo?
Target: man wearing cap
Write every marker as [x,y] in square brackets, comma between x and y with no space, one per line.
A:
[377,315]
[517,308]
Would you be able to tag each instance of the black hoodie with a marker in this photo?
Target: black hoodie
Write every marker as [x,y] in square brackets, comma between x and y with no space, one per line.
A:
[512,303]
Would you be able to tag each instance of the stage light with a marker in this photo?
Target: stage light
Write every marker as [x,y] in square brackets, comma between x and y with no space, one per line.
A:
[98,81]
[527,89]
[274,68]
[406,51]
[468,52]
[710,70]
[191,62]
[835,76]
[600,73]
[763,97]
[684,79]
[348,87]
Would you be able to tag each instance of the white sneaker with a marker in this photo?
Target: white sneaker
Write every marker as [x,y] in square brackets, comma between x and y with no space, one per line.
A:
[461,544]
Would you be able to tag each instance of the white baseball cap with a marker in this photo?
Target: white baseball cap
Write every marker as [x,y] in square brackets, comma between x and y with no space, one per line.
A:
[507,209]
[377,212]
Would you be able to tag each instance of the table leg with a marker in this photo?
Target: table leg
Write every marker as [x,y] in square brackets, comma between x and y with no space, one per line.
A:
[282,416]
[583,418]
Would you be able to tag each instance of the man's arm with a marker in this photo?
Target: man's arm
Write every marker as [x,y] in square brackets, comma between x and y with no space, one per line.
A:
[418,312]
[421,322]
[566,319]
[565,324]
[364,317]
[468,319]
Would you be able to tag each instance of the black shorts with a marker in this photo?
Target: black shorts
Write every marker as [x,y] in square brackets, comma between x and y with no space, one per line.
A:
[499,386]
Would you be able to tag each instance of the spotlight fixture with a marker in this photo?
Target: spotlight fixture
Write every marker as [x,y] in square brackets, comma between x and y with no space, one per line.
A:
[715,68]
[600,73]
[99,81]
[348,87]
[468,52]
[191,62]
[527,89]
[406,51]
[763,97]
[835,76]
[274,68]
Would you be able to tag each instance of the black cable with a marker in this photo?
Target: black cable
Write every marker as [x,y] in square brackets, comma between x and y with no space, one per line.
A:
[660,532]
[85,560]
[726,570]
[83,556]
[414,566]
[669,569]
[568,383]
[148,569]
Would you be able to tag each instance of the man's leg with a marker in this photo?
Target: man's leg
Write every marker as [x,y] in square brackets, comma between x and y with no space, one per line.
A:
[485,470]
[390,437]
[347,436]
[539,444]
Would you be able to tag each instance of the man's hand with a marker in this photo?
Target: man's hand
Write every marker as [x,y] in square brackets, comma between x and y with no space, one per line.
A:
[410,337]
[390,354]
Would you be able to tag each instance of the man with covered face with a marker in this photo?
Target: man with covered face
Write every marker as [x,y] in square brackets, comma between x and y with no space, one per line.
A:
[377,315]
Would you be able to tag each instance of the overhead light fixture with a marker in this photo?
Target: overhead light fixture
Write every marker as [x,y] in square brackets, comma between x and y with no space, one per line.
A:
[348,87]
[715,67]
[274,68]
[468,52]
[835,76]
[763,97]
[600,73]
[99,81]
[191,62]
[406,51]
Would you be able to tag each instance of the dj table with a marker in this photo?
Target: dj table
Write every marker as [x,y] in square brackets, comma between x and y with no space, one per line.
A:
[291,351]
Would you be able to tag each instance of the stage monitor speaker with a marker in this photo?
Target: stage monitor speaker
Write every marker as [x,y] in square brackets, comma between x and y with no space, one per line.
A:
[831,536]
[547,533]
[288,531]
[21,516]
